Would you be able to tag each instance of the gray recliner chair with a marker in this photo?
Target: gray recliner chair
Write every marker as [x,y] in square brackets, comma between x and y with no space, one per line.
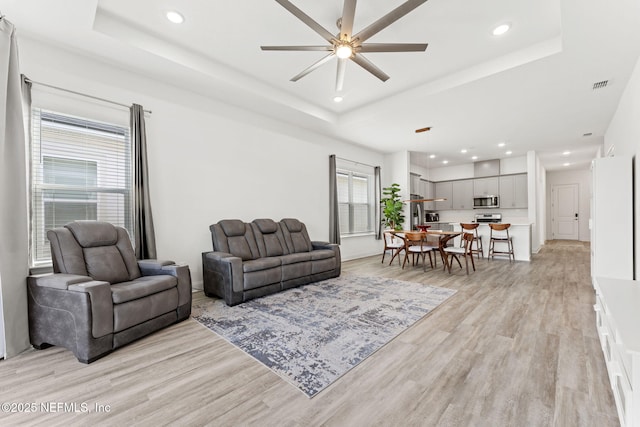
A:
[100,297]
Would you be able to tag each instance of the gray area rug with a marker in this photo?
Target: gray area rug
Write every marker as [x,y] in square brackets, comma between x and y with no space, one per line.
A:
[314,334]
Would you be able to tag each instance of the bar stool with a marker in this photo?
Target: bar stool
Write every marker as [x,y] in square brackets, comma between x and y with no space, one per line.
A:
[500,234]
[473,229]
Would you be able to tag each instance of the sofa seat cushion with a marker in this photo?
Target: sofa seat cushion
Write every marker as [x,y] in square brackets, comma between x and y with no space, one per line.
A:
[260,264]
[322,254]
[264,277]
[136,312]
[295,258]
[141,287]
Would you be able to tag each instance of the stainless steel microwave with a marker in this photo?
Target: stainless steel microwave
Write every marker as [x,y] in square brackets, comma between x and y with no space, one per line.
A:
[480,202]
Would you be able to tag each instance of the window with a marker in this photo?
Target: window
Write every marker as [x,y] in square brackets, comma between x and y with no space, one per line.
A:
[81,170]
[355,201]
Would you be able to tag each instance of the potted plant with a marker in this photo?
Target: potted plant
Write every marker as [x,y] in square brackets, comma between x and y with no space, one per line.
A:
[392,207]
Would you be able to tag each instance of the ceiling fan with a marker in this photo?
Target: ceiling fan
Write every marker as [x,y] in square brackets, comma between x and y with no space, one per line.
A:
[346,45]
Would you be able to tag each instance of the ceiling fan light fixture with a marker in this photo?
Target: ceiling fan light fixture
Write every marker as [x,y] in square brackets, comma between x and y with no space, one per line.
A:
[344,51]
[175,17]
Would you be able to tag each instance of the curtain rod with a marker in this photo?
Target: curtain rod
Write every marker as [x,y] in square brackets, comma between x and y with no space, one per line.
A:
[81,94]
[354,162]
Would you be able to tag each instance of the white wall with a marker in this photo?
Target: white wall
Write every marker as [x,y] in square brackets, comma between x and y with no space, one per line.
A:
[623,135]
[209,160]
[582,177]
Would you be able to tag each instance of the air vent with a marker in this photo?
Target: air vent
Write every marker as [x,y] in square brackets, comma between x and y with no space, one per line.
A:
[600,85]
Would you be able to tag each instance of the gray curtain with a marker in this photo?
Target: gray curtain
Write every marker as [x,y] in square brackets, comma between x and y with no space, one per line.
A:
[14,250]
[378,196]
[145,237]
[334,217]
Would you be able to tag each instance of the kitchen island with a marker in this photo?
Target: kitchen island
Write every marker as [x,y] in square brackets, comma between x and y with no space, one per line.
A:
[520,234]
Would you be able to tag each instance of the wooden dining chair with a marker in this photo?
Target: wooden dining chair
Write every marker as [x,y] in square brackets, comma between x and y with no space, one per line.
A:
[392,243]
[464,251]
[477,239]
[416,244]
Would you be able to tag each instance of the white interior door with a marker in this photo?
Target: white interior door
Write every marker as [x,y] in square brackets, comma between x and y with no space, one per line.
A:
[566,222]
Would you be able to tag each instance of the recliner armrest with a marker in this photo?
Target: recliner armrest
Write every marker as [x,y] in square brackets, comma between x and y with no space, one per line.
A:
[101,305]
[323,245]
[223,276]
[154,267]
[59,280]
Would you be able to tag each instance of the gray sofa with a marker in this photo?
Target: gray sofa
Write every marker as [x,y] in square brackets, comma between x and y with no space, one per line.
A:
[250,260]
[99,297]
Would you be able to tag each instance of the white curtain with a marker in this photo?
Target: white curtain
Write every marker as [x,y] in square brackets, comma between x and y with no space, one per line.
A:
[14,237]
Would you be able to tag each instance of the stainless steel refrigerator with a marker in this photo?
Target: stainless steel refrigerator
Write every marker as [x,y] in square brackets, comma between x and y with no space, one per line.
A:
[417,211]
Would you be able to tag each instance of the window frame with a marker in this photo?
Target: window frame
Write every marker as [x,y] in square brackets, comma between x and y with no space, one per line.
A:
[347,230]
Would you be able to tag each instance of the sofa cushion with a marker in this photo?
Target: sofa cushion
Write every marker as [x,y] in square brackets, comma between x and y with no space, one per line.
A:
[141,310]
[90,234]
[141,287]
[295,258]
[260,264]
[296,237]
[236,238]
[269,238]
[105,264]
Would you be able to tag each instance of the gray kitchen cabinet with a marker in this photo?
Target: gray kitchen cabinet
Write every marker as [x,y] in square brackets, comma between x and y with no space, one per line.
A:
[485,186]
[462,194]
[514,191]
[444,190]
[415,183]
[429,192]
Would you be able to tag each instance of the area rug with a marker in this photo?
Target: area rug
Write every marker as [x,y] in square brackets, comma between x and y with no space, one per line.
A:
[314,334]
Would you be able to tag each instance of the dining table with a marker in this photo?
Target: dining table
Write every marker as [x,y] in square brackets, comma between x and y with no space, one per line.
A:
[443,238]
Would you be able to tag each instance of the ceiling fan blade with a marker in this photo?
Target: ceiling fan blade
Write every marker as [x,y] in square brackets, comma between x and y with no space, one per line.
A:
[388,19]
[346,22]
[367,65]
[304,48]
[325,34]
[393,47]
[342,66]
[312,67]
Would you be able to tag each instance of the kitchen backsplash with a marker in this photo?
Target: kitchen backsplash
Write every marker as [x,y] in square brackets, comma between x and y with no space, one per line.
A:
[515,216]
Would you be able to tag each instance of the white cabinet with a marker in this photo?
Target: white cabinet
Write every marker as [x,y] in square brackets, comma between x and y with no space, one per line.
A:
[485,186]
[513,191]
[462,194]
[612,218]
[444,190]
[617,320]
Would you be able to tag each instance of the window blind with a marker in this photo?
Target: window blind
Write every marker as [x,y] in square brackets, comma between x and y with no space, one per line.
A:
[81,170]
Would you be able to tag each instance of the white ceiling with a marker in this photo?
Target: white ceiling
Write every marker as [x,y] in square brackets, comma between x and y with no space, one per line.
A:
[531,88]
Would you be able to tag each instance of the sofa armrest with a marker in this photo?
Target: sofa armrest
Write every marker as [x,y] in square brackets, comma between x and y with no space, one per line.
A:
[154,267]
[322,245]
[58,280]
[101,305]
[223,276]
[335,248]
[64,292]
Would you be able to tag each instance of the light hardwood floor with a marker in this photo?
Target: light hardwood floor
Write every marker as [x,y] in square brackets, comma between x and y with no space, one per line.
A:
[516,346]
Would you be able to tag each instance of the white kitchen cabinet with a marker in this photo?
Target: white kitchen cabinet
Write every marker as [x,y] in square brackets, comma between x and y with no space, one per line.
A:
[617,320]
[514,191]
[462,194]
[485,186]
[444,190]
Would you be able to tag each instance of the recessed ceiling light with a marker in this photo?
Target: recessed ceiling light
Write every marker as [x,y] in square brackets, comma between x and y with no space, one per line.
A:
[445,161]
[566,164]
[175,17]
[474,157]
[501,29]
[464,150]
[566,153]
[508,153]
[337,99]
[502,144]
[433,156]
